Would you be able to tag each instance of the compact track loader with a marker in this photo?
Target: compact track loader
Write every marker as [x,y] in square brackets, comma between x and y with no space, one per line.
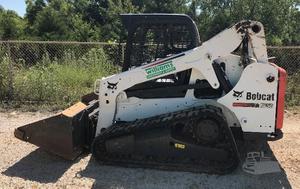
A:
[179,104]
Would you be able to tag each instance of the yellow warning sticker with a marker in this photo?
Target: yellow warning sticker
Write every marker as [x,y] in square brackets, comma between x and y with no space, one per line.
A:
[180,146]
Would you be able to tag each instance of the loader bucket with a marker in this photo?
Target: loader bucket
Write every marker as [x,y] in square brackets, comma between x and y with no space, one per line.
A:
[64,134]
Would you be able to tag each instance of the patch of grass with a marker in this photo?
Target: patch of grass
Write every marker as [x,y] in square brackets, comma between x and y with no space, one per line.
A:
[293,90]
[57,84]
[4,73]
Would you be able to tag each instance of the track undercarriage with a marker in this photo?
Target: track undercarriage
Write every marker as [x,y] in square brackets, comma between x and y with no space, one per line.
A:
[173,141]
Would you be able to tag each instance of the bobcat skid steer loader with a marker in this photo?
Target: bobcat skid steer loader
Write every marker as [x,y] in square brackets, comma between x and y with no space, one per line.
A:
[179,104]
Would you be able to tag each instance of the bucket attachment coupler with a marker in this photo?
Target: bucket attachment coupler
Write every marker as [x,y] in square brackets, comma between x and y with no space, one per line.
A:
[66,134]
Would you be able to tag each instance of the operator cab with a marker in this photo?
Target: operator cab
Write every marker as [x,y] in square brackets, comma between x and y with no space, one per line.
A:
[156,36]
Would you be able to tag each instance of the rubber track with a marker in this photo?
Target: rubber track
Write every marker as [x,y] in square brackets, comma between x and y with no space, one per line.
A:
[166,120]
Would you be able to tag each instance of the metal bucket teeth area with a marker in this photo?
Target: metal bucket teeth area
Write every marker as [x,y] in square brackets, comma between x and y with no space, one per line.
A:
[62,134]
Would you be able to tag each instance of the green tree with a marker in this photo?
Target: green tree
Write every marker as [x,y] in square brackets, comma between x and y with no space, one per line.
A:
[58,20]
[52,22]
[33,7]
[12,25]
[279,17]
[161,6]
[109,11]
[82,30]
[98,20]
[294,34]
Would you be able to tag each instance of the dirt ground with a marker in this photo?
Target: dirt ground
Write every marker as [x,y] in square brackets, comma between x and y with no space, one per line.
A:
[23,165]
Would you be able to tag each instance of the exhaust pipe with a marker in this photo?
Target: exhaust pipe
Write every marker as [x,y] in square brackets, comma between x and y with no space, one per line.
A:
[66,134]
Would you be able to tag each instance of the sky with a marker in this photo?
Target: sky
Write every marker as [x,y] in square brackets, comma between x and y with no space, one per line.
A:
[16,5]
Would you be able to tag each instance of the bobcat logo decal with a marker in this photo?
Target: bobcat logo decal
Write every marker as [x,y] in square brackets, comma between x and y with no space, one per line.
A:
[112,85]
[237,94]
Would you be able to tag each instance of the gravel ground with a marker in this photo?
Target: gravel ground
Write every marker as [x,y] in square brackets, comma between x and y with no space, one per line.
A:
[23,165]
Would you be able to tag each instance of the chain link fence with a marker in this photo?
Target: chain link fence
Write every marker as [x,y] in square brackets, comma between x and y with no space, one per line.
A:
[24,55]
[32,52]
[287,57]
[39,72]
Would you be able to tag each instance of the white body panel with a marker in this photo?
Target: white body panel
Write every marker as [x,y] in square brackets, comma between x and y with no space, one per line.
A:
[129,109]
[260,116]
[114,104]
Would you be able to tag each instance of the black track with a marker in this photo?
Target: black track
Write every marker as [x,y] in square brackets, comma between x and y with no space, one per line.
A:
[218,157]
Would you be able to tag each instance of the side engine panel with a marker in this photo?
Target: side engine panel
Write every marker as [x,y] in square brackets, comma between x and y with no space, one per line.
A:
[253,99]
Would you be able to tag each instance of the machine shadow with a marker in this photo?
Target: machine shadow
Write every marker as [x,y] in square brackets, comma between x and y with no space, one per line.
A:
[42,167]
[106,176]
[119,177]
[39,166]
